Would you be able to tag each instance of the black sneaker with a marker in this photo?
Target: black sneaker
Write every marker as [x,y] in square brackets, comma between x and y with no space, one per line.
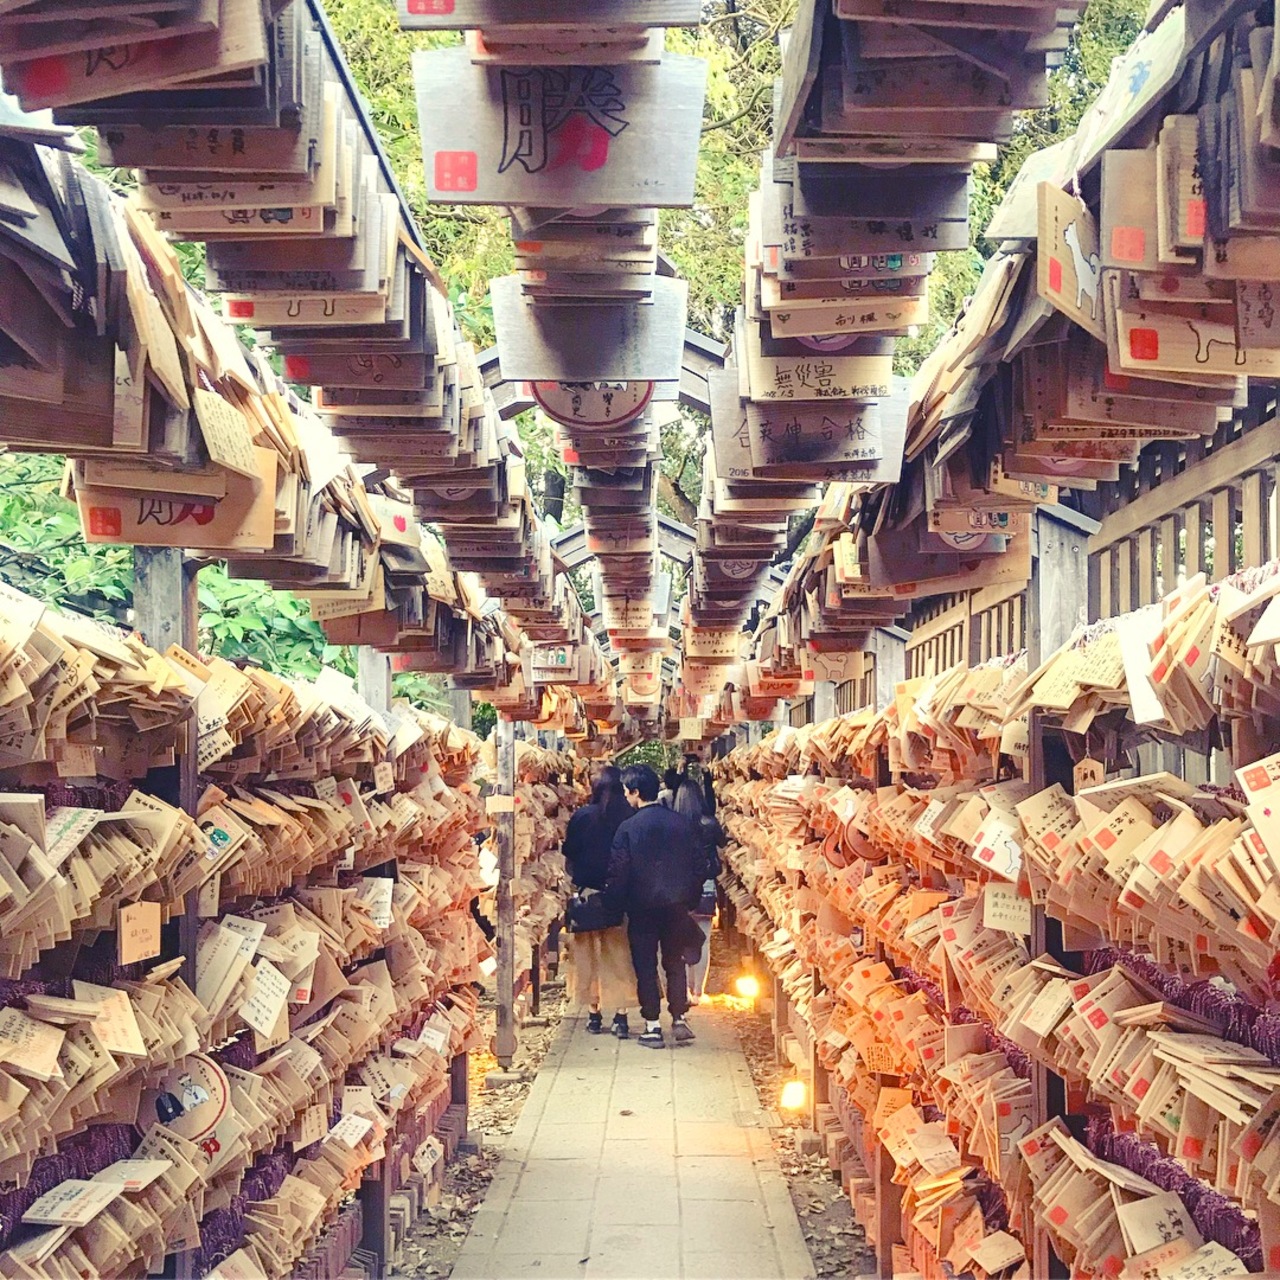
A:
[619,1027]
[652,1039]
[682,1032]
[595,1024]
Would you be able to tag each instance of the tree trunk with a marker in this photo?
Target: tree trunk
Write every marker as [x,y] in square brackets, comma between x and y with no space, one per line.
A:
[685,509]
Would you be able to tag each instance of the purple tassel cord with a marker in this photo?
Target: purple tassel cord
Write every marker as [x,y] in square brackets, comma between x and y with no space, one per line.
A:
[222,1231]
[78,1157]
[1241,1021]
[1019,1061]
[1216,1216]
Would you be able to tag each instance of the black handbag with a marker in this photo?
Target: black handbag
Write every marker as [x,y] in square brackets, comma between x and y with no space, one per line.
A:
[589,914]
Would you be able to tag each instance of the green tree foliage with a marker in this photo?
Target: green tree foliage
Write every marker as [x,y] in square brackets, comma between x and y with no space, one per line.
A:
[484,715]
[41,547]
[657,755]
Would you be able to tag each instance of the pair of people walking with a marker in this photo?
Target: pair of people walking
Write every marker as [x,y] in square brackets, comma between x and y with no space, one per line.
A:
[652,864]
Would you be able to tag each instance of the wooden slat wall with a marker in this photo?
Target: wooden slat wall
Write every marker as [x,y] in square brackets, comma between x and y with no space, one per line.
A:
[1203,505]
[801,712]
[939,635]
[851,695]
[968,626]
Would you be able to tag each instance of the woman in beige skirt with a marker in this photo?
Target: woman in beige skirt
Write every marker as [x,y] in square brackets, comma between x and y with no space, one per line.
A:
[600,971]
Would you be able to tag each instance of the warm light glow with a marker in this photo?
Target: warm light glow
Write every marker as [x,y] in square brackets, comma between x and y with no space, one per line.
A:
[748,987]
[793,1095]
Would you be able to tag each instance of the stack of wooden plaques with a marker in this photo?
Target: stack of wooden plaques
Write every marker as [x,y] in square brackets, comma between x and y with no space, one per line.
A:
[574,118]
[879,116]
[1131,295]
[609,434]
[181,436]
[325,1003]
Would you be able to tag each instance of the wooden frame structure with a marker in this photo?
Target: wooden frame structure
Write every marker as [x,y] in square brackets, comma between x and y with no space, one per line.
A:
[1164,520]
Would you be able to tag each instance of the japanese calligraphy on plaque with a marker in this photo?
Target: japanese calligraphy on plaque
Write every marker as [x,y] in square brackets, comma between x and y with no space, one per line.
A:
[796,433]
[559,136]
[592,404]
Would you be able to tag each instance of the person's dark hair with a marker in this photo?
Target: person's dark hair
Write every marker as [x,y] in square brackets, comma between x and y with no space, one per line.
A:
[610,797]
[671,780]
[608,783]
[688,801]
[708,795]
[641,778]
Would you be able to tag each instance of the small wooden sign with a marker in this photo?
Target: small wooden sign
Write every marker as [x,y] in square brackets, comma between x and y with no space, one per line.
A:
[1068,264]
[469,15]
[620,342]
[592,404]
[565,137]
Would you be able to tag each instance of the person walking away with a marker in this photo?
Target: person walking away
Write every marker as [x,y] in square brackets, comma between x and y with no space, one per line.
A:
[600,971]
[711,839]
[655,876]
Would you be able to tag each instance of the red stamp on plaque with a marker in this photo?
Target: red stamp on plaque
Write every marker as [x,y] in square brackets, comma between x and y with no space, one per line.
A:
[1144,344]
[433,7]
[105,522]
[456,171]
[239,308]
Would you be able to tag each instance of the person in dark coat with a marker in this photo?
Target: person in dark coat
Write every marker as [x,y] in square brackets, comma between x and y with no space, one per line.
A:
[600,972]
[711,837]
[670,781]
[656,871]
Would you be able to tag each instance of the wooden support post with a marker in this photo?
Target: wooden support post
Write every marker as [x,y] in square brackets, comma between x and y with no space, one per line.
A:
[1145,566]
[888,1211]
[1100,586]
[1168,554]
[1056,602]
[1056,598]
[535,980]
[1124,575]
[165,613]
[505,1046]
[889,644]
[1193,523]
[460,708]
[1253,521]
[460,1082]
[819,1081]
[1223,535]
[824,700]
[373,684]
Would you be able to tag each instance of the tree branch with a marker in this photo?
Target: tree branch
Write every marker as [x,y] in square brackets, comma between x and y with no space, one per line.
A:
[686,510]
[746,111]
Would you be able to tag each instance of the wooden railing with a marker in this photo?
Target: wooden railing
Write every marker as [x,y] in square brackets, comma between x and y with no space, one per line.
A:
[967,626]
[1206,505]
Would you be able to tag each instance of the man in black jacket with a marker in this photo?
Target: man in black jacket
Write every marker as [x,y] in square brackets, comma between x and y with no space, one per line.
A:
[656,868]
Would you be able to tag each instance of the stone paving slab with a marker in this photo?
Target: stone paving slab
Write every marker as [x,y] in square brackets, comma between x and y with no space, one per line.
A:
[684,1187]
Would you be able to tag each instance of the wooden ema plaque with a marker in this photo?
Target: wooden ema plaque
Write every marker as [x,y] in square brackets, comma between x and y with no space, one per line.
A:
[562,137]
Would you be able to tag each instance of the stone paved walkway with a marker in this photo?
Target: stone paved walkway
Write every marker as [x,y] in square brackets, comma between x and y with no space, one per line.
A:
[639,1164]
